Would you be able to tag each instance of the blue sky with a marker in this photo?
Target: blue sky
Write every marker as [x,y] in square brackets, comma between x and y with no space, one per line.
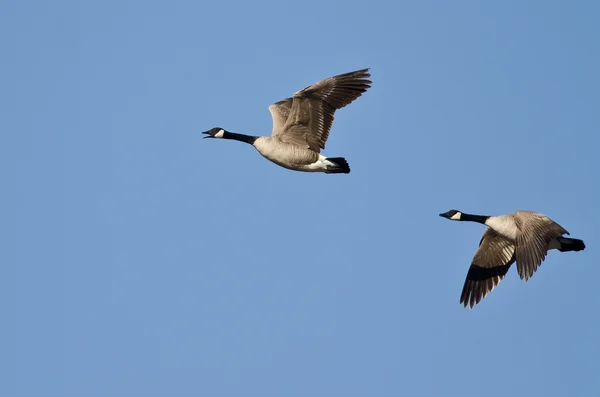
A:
[141,260]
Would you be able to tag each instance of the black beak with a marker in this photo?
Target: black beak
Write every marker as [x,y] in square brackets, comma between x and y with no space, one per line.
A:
[444,215]
[208,135]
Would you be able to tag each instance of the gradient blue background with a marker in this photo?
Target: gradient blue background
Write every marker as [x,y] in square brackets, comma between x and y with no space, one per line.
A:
[140,260]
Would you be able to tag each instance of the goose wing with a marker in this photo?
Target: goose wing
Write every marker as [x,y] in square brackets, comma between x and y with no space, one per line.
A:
[491,262]
[535,233]
[309,114]
[280,112]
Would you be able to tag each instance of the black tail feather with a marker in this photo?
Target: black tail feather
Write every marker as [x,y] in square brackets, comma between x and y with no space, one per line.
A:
[570,244]
[341,166]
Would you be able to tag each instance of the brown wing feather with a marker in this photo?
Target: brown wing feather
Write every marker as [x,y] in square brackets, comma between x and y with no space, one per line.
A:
[280,112]
[489,266]
[313,108]
[535,233]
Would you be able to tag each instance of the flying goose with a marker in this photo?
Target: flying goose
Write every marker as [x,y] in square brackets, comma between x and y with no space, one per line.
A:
[301,125]
[523,236]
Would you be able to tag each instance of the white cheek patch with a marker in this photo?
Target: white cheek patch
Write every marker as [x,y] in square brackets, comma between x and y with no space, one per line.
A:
[456,217]
[220,134]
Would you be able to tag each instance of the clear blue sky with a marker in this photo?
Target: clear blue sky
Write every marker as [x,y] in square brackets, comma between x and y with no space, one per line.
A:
[140,260]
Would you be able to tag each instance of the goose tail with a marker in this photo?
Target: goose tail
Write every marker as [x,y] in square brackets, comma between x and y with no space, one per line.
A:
[339,166]
[571,244]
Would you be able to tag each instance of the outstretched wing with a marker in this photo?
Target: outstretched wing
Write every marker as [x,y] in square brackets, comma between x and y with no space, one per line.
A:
[312,109]
[536,232]
[489,266]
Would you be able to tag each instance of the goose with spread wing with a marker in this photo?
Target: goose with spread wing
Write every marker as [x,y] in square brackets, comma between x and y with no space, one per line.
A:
[523,236]
[301,125]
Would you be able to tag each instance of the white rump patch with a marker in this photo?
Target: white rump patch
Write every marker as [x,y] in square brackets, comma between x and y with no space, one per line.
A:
[321,164]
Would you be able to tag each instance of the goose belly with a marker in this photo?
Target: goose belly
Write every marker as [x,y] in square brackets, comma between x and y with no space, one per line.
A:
[286,155]
[504,225]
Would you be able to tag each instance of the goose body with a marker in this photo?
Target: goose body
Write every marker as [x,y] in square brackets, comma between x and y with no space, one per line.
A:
[291,156]
[524,237]
[301,125]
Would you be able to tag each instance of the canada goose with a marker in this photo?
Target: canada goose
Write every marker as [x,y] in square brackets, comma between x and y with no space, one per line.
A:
[301,125]
[523,236]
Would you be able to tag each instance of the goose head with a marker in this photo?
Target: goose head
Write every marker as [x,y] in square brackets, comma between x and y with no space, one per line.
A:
[216,132]
[453,215]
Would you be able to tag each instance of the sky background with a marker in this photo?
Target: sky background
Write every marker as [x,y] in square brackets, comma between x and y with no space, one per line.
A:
[139,260]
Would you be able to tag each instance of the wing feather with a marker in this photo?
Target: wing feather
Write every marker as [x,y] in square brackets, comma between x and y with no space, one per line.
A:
[535,233]
[489,266]
[312,109]
[280,112]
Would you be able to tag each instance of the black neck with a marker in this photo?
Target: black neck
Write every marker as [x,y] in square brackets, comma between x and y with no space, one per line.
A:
[474,218]
[240,137]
